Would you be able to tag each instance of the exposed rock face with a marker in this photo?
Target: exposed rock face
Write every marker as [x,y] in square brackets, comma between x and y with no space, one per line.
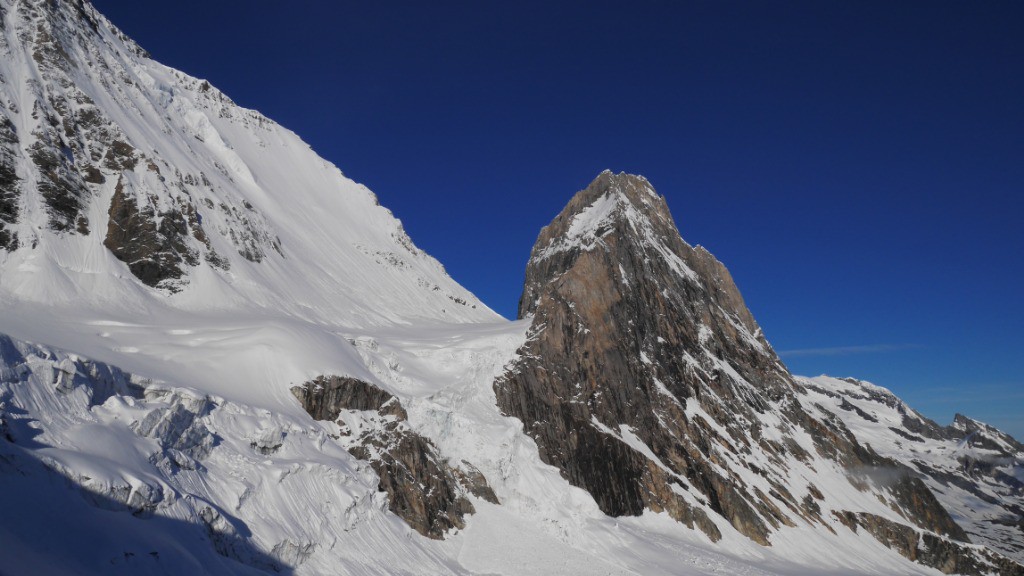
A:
[326,397]
[153,245]
[74,153]
[473,480]
[422,489]
[63,190]
[648,383]
[10,193]
[923,509]
[70,136]
[623,310]
[947,556]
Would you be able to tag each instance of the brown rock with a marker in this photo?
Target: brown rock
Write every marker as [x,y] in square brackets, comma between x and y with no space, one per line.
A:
[645,376]
[153,245]
[10,187]
[422,488]
[948,556]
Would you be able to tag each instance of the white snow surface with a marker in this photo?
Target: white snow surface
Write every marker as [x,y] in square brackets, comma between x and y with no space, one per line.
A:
[310,507]
[168,479]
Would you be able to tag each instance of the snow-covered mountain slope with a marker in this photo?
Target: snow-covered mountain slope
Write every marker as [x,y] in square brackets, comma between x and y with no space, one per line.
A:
[975,471]
[127,184]
[122,474]
[219,355]
[152,223]
[103,472]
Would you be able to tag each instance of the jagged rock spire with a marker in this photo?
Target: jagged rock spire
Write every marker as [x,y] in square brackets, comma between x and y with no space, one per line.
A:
[647,382]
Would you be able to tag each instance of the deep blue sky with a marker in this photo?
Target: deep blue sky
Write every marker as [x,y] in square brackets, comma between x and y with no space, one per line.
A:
[859,166]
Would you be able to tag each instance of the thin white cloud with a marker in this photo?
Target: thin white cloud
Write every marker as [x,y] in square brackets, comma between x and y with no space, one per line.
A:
[847,350]
[998,398]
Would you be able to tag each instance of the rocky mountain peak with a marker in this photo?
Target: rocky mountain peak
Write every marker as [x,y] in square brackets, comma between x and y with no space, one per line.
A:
[606,198]
[646,380]
[981,433]
[643,347]
[622,213]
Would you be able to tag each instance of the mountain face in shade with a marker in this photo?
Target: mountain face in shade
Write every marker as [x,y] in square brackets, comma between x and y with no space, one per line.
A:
[219,355]
[647,382]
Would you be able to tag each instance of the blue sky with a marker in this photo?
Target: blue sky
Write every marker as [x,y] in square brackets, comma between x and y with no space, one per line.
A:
[858,166]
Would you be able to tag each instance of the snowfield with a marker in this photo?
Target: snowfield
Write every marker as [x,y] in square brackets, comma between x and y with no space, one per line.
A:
[83,461]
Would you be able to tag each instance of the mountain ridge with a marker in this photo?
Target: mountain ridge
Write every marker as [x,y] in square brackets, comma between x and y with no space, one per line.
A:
[648,383]
[213,196]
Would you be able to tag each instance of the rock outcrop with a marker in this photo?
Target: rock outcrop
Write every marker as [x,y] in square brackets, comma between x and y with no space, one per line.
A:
[947,556]
[74,153]
[422,488]
[152,244]
[10,193]
[647,381]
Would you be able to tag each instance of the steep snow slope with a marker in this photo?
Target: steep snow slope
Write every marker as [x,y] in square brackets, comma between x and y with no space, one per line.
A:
[158,226]
[225,209]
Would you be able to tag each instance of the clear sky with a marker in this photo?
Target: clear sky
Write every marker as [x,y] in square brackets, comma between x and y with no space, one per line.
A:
[858,165]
